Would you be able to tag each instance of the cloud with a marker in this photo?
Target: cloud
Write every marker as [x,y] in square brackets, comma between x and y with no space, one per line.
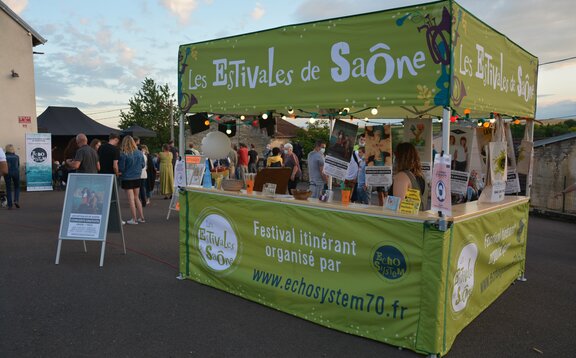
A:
[311,10]
[556,110]
[17,5]
[258,12]
[181,8]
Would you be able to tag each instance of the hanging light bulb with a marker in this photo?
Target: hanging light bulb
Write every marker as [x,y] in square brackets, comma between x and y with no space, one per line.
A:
[206,122]
[516,121]
[486,124]
[242,117]
[290,110]
[264,115]
[228,131]
[492,120]
[479,124]
[374,111]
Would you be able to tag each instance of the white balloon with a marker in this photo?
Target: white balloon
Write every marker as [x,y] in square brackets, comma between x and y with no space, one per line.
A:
[216,145]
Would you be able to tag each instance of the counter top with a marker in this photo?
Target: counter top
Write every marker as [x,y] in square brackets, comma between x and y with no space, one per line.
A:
[459,211]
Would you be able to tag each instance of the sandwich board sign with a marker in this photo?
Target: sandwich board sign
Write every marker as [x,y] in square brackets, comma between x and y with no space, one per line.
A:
[91,210]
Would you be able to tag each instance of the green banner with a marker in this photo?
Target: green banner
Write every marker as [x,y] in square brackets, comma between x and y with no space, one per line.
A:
[356,273]
[388,60]
[490,73]
[404,61]
[486,254]
[396,281]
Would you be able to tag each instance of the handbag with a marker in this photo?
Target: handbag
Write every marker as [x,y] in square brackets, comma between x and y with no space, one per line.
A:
[524,154]
[496,166]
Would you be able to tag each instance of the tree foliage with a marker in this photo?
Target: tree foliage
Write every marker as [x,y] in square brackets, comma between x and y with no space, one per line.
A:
[308,137]
[151,108]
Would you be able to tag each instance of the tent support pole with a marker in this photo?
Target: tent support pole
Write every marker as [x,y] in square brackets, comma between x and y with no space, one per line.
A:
[181,139]
[445,130]
[530,136]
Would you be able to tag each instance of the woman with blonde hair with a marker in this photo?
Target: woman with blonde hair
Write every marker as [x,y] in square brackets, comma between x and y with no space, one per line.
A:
[130,166]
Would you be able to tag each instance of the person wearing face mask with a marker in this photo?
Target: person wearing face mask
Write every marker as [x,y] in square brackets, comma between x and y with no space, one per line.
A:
[291,161]
[316,169]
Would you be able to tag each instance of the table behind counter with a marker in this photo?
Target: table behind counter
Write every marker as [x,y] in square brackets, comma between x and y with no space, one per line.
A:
[360,269]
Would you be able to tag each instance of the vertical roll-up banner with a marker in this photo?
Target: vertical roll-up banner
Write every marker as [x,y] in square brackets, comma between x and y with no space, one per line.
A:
[38,161]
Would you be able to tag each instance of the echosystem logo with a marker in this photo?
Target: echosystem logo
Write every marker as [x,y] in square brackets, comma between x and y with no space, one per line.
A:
[217,242]
[38,155]
[464,277]
[389,261]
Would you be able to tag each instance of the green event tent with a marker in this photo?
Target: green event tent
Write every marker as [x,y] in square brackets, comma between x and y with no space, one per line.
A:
[402,62]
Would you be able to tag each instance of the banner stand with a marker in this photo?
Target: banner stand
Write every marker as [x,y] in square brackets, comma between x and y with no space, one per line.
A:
[91,210]
[179,182]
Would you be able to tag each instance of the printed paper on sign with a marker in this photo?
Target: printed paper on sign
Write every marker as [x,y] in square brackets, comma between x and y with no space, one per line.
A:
[441,185]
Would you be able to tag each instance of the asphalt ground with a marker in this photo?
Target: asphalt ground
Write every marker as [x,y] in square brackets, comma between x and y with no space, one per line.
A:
[135,307]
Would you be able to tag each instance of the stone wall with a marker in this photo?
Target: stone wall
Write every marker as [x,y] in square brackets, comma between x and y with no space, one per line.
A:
[552,164]
[244,134]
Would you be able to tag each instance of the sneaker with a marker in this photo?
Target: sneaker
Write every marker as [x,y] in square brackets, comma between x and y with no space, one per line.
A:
[141,220]
[17,205]
[132,222]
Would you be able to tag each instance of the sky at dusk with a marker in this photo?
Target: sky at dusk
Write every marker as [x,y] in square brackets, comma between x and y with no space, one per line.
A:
[98,52]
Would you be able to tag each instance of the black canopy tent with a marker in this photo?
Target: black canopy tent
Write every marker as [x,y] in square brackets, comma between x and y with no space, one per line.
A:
[66,122]
[138,131]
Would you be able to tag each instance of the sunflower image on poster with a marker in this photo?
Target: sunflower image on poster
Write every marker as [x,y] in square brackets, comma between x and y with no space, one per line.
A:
[498,162]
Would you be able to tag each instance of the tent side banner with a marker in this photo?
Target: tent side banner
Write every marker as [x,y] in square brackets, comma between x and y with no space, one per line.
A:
[388,60]
[490,73]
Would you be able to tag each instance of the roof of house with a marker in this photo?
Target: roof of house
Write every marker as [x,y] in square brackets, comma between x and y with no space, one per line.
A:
[285,129]
[558,138]
[70,121]
[37,39]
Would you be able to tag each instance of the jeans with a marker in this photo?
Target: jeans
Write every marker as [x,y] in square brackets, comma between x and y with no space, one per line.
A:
[363,196]
[12,184]
[316,190]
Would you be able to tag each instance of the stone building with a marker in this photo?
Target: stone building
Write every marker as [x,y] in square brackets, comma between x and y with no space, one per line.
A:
[554,169]
[249,134]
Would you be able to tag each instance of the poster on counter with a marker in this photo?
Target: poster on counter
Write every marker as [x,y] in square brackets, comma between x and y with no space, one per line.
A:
[460,142]
[378,146]
[418,131]
[38,161]
[195,166]
[379,176]
[179,174]
[441,182]
[459,182]
[340,149]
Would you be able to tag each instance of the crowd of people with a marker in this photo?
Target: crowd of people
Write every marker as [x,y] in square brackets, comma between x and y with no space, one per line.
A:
[135,168]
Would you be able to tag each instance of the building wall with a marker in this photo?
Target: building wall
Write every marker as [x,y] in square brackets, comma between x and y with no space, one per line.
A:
[553,164]
[244,134]
[18,95]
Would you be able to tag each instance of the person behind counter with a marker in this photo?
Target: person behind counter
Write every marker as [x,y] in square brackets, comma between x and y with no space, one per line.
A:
[275,160]
[408,171]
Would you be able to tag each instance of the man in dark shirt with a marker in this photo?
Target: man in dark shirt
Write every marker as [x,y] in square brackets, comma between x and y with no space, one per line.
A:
[253,162]
[109,154]
[86,159]
[174,152]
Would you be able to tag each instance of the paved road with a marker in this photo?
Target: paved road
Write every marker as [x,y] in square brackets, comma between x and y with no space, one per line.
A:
[135,307]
